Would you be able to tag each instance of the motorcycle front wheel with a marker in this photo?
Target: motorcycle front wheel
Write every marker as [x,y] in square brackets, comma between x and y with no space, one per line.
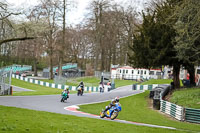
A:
[62,100]
[114,115]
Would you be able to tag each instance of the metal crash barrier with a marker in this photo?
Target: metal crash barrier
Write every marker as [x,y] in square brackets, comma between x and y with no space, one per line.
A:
[5,82]
[158,93]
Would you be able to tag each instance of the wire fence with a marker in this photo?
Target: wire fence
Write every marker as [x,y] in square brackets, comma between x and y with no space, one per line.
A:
[98,74]
[5,81]
[60,80]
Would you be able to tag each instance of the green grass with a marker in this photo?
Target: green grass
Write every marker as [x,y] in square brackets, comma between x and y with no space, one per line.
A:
[135,108]
[88,81]
[189,97]
[16,120]
[93,81]
[119,83]
[157,81]
[38,89]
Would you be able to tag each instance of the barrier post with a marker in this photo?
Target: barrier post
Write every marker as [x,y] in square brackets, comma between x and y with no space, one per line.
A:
[11,90]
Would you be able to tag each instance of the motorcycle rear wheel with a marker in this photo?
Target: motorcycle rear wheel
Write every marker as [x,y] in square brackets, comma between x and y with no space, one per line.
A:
[102,115]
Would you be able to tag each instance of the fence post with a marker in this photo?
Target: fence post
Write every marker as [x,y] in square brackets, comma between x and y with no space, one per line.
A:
[11,90]
[183,115]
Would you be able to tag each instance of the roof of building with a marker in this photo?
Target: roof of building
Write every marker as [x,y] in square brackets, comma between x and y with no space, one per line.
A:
[129,67]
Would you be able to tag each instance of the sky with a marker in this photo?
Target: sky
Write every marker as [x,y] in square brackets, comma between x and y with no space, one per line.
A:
[78,13]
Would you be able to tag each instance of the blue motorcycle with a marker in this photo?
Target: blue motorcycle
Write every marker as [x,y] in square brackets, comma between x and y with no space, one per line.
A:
[112,113]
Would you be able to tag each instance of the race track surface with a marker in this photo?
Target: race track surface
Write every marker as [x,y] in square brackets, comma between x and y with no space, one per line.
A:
[51,103]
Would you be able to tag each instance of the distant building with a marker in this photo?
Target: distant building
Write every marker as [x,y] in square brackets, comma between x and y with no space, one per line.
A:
[68,70]
[127,72]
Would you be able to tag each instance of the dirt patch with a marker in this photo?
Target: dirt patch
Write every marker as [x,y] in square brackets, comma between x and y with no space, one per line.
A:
[150,103]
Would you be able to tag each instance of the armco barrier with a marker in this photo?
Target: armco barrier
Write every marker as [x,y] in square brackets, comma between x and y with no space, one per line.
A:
[144,87]
[192,115]
[52,85]
[173,110]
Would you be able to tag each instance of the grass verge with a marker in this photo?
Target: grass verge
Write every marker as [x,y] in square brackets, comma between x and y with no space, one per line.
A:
[119,83]
[93,81]
[189,97]
[135,108]
[88,81]
[38,89]
[23,120]
[157,81]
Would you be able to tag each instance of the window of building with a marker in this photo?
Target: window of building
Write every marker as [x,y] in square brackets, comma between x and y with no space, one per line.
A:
[145,72]
[120,71]
[126,71]
[151,73]
[138,72]
[141,72]
[132,71]
[158,73]
[198,71]
[123,71]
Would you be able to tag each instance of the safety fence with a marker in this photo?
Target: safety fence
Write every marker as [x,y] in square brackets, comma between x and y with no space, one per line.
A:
[16,68]
[144,87]
[178,112]
[66,66]
[58,86]
[192,115]
[171,109]
[5,82]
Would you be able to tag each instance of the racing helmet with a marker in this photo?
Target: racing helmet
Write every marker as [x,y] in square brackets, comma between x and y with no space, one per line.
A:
[117,99]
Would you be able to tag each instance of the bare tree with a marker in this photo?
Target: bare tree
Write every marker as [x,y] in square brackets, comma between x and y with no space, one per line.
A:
[113,28]
[47,11]
[4,18]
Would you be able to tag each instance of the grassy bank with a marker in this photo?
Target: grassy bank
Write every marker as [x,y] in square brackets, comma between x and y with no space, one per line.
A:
[189,97]
[135,108]
[22,120]
[38,89]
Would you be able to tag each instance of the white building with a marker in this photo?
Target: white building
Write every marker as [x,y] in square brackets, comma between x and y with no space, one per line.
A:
[127,72]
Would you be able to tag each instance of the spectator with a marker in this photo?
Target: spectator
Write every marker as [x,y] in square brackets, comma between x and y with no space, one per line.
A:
[188,76]
[109,85]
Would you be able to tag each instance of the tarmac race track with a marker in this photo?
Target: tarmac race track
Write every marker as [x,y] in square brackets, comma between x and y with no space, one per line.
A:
[51,103]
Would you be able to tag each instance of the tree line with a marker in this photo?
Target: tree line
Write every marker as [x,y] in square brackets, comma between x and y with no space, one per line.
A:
[101,40]
[165,33]
[169,35]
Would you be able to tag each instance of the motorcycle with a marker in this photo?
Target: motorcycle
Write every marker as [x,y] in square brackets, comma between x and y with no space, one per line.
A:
[64,97]
[80,91]
[112,113]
